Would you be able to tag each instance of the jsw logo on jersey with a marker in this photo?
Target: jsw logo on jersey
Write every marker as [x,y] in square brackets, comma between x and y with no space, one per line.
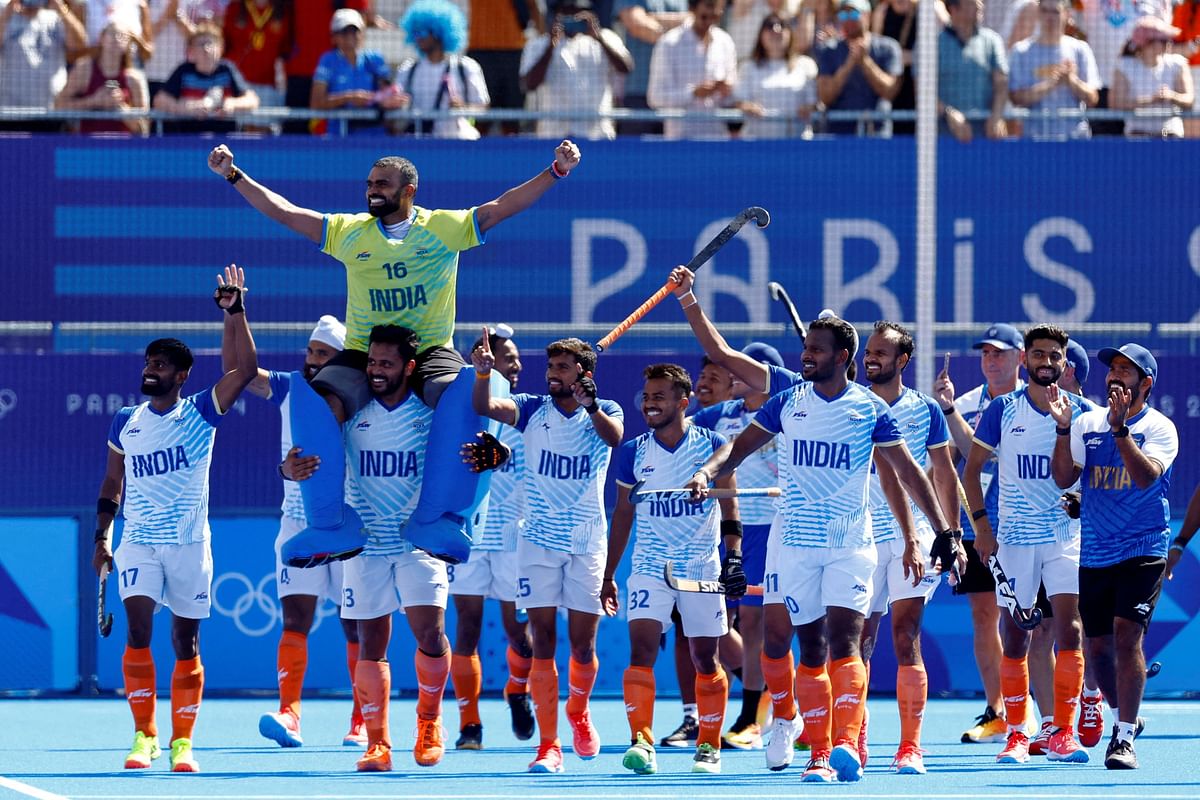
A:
[1017,429]
[160,462]
[812,453]
[364,255]
[362,426]
[647,470]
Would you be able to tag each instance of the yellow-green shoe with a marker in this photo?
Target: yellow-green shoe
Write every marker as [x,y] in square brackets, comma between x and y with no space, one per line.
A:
[707,760]
[181,756]
[145,749]
[640,757]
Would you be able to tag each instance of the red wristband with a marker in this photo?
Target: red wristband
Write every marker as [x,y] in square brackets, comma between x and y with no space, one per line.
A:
[556,172]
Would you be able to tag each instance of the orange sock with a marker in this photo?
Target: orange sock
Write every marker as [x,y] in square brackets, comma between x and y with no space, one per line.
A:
[518,672]
[779,675]
[373,683]
[431,683]
[1014,686]
[352,666]
[815,695]
[848,682]
[292,662]
[187,688]
[543,688]
[639,702]
[712,695]
[912,692]
[467,676]
[580,680]
[138,667]
[1068,683]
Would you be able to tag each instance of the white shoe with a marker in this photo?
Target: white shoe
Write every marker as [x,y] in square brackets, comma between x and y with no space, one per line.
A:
[779,748]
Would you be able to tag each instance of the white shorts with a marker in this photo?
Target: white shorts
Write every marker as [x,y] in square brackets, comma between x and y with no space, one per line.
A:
[649,597]
[809,580]
[488,573]
[320,582]
[376,586]
[551,579]
[1027,567]
[889,583]
[178,576]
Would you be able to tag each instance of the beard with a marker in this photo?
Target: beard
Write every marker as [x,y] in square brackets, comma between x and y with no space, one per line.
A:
[389,388]
[388,206]
[1043,382]
[155,389]
[661,421]
[1134,391]
[881,375]
[311,370]
[819,372]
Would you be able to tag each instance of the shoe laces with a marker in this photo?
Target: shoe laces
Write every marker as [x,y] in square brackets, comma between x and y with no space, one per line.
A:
[819,760]
[908,750]
[377,750]
[1092,714]
[546,748]
[430,732]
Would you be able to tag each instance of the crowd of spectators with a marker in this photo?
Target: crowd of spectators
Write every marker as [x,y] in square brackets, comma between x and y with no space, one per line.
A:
[782,63]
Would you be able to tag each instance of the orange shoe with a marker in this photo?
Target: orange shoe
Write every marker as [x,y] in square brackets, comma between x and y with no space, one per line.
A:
[549,758]
[1063,747]
[378,758]
[357,735]
[1039,743]
[587,738]
[1017,749]
[429,747]
[1091,720]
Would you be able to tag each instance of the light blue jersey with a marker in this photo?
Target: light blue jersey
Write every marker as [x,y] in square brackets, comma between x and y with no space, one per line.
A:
[281,383]
[760,468]
[669,527]
[1119,520]
[566,463]
[1022,437]
[167,456]
[923,426]
[972,405]
[824,461]
[385,459]
[506,506]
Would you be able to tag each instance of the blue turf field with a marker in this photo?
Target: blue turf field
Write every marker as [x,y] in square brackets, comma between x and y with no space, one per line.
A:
[75,748]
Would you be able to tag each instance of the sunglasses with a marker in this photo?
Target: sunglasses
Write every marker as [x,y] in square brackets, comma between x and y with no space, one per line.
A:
[848,15]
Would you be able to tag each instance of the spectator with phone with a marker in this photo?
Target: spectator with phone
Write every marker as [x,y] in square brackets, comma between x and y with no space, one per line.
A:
[107,81]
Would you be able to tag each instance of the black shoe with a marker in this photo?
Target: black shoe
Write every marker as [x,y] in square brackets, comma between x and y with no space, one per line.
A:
[470,737]
[684,736]
[522,715]
[1120,755]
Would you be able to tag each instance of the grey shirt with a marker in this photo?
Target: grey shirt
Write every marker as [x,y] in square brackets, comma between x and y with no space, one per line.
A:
[33,59]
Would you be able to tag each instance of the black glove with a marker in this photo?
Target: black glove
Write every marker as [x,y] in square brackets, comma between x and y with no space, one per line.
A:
[733,577]
[487,453]
[224,291]
[588,387]
[1070,501]
[945,550]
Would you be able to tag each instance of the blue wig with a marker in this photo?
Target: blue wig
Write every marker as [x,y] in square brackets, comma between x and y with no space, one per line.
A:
[441,18]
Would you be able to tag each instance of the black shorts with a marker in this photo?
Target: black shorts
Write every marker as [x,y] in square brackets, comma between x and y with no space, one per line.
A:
[977,578]
[1128,590]
[1043,602]
[345,376]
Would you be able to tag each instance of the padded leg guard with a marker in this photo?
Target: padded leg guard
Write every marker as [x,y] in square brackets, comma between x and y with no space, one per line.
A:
[453,498]
[334,530]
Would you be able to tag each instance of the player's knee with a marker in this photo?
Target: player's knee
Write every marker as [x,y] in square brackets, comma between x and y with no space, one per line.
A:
[186,644]
[138,635]
[583,653]
[1127,636]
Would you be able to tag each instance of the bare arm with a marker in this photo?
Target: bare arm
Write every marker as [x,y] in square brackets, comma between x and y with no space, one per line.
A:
[945,483]
[884,83]
[897,500]
[261,385]
[245,356]
[726,460]
[111,488]
[999,94]
[618,54]
[916,482]
[304,221]
[76,33]
[649,27]
[519,198]
[753,373]
[618,539]
[985,540]
[536,75]
[497,408]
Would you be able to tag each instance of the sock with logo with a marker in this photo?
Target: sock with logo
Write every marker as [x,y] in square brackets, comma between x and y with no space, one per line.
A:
[1068,682]
[467,676]
[912,693]
[815,695]
[712,695]
[638,684]
[848,680]
[137,664]
[1014,685]
[780,675]
[373,683]
[292,664]
[432,672]
[518,672]
[187,688]
[580,680]
[543,690]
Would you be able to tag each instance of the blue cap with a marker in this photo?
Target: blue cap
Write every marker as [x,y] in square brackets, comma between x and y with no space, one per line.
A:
[763,353]
[1077,357]
[1001,336]
[1139,355]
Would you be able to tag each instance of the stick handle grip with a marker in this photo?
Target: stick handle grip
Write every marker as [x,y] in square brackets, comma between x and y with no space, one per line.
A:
[633,318]
[722,494]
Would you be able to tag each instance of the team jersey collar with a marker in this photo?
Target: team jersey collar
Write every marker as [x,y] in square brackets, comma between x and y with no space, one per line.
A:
[679,444]
[412,220]
[390,409]
[817,393]
[158,413]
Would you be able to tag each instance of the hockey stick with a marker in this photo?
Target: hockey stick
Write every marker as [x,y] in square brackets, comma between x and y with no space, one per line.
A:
[1025,618]
[104,619]
[761,219]
[701,587]
[1153,669]
[637,494]
[779,293]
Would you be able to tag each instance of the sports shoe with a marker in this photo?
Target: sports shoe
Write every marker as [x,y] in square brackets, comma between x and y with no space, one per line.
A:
[357,735]
[818,769]
[549,758]
[282,728]
[862,738]
[707,760]
[844,761]
[522,715]
[640,757]
[748,737]
[779,746]
[1120,755]
[429,748]
[910,759]
[988,727]
[1091,721]
[470,737]
[1039,743]
[1063,747]
[586,742]
[145,749]
[181,756]
[378,758]
[1016,751]
[683,736]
